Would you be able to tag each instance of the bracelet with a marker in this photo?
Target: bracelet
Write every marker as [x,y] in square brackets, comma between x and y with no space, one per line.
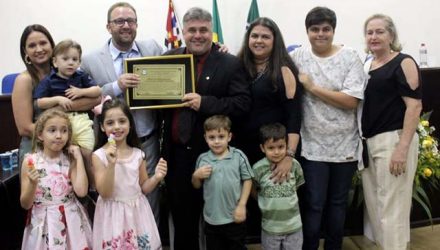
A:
[290,153]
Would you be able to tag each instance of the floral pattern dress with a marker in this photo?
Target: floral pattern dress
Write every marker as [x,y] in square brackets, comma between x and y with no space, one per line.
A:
[125,220]
[57,220]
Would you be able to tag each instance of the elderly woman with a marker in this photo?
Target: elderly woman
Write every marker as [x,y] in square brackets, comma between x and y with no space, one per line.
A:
[389,120]
[334,80]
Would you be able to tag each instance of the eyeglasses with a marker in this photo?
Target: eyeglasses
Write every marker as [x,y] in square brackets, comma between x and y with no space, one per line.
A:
[121,21]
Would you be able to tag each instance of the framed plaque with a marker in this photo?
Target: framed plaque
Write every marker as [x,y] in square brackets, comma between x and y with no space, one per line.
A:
[164,81]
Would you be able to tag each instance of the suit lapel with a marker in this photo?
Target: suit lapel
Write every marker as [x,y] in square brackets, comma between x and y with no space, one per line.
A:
[106,60]
[142,50]
[208,72]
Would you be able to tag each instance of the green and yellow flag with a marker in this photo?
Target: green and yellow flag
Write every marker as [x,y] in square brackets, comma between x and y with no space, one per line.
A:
[217,35]
[253,13]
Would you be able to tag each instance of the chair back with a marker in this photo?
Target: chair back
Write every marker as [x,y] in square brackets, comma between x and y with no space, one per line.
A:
[292,47]
[8,83]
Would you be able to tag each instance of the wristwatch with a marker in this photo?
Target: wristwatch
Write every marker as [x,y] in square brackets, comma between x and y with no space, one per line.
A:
[290,153]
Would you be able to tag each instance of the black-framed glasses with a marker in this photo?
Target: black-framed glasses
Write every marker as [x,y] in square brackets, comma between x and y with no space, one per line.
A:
[121,21]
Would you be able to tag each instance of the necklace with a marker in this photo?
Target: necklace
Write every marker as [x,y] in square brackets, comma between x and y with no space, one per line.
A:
[379,61]
[261,65]
[261,68]
[260,62]
[259,75]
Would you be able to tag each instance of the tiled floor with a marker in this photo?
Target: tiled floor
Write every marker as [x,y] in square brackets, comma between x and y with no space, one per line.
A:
[423,238]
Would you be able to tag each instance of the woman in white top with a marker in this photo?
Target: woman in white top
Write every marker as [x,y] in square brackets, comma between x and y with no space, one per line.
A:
[334,80]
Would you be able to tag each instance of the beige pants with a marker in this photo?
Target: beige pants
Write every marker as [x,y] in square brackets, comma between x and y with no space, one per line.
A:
[387,197]
[82,131]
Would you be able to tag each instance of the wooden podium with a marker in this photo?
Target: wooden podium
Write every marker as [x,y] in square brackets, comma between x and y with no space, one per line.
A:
[9,138]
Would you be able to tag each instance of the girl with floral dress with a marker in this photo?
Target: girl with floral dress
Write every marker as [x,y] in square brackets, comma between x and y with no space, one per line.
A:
[123,217]
[50,178]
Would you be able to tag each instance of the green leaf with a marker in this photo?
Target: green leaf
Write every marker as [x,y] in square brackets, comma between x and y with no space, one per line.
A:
[360,200]
[425,207]
[425,197]
[350,197]
[426,115]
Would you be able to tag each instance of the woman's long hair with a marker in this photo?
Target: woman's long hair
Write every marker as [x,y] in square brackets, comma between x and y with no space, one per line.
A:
[33,72]
[278,58]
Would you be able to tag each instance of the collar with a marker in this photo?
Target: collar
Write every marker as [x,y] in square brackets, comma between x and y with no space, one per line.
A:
[115,52]
[213,157]
[53,74]
[202,58]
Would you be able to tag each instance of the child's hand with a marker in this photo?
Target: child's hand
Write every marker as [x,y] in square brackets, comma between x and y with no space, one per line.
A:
[111,139]
[240,213]
[161,169]
[73,93]
[203,172]
[111,153]
[65,103]
[74,151]
[33,175]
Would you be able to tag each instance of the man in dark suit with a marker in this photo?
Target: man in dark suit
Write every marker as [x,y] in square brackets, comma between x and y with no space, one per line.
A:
[221,88]
[105,66]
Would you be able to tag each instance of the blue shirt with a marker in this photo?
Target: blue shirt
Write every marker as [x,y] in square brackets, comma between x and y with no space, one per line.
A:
[54,85]
[118,62]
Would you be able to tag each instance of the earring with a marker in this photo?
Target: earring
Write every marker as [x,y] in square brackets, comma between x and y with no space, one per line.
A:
[27,59]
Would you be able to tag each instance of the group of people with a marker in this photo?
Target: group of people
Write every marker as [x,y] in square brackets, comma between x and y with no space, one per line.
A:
[297,119]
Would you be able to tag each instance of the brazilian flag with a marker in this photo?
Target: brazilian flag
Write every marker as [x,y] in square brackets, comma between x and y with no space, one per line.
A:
[217,35]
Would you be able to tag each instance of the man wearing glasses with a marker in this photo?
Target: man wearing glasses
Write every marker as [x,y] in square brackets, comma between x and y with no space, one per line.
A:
[105,66]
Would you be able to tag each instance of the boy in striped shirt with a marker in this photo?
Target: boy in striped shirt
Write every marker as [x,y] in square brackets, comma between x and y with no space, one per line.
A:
[281,220]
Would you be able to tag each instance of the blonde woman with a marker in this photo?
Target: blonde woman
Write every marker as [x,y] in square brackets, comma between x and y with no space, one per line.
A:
[390,116]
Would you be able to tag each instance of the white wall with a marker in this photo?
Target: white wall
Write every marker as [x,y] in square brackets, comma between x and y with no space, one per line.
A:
[85,21]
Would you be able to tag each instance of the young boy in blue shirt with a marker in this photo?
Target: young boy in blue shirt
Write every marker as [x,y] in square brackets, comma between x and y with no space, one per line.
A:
[281,220]
[226,176]
[64,84]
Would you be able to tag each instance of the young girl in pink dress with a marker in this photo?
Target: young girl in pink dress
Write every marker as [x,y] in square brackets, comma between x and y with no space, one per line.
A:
[123,217]
[50,178]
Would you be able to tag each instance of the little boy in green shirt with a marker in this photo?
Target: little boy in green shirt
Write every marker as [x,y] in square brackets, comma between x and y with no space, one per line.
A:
[281,220]
[226,176]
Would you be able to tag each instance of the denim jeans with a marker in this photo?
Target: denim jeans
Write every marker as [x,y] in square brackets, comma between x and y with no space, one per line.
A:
[324,199]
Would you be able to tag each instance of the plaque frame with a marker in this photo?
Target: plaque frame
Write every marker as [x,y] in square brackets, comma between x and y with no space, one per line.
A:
[142,97]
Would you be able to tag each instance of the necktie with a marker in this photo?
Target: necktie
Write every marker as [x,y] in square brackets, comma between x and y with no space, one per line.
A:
[182,125]
[123,56]
[184,118]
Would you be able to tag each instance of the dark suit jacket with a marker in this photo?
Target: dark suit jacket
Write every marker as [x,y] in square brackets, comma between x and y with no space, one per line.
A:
[224,90]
